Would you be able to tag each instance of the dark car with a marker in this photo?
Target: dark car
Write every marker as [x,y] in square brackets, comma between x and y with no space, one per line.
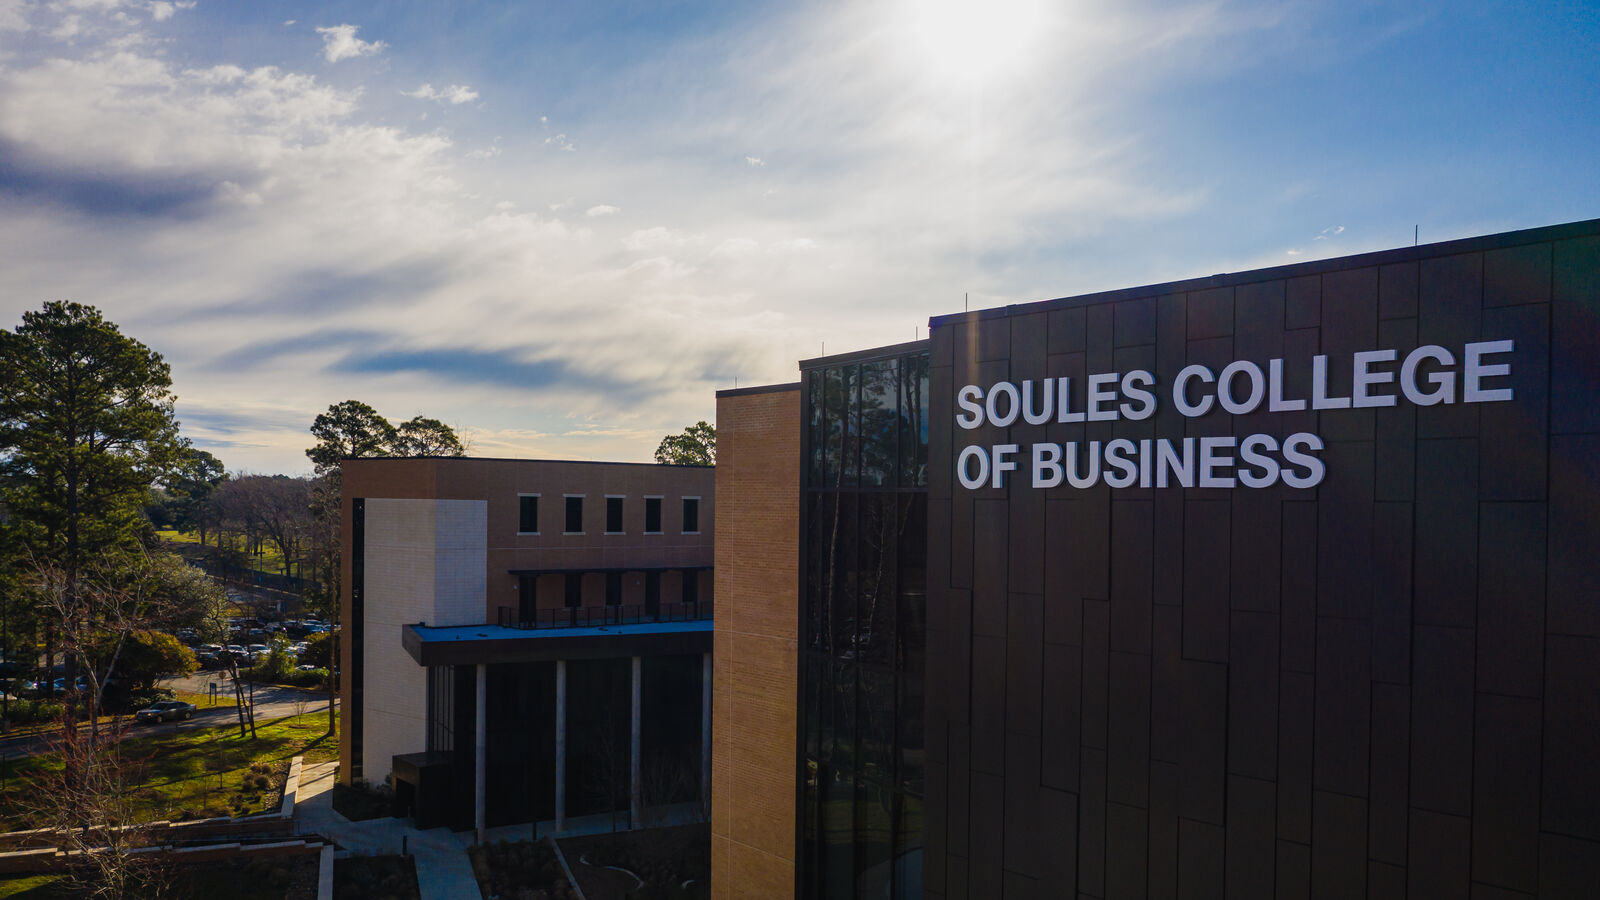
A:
[165,711]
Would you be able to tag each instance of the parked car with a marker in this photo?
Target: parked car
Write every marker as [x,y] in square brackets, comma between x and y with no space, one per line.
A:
[165,711]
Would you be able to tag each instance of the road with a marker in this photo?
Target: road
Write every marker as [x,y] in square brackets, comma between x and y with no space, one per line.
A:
[271,703]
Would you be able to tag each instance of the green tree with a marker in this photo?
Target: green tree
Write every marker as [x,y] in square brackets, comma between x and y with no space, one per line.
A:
[86,426]
[189,488]
[319,650]
[695,446]
[151,655]
[421,436]
[349,430]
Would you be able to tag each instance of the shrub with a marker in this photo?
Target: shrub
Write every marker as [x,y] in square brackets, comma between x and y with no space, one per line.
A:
[28,712]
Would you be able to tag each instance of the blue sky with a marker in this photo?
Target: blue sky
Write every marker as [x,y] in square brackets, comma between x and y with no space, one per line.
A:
[562,227]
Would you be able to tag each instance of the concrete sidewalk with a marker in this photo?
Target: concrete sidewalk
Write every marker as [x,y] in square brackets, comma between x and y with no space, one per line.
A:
[443,870]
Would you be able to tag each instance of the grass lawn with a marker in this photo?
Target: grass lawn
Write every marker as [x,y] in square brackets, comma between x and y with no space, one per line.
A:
[35,887]
[205,701]
[268,560]
[193,774]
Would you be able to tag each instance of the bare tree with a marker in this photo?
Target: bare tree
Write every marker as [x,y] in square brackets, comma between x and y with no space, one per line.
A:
[273,509]
[216,625]
[92,804]
[99,607]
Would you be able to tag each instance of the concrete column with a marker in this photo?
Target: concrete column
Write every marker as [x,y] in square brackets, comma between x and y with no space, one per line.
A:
[561,746]
[705,736]
[481,752]
[635,795]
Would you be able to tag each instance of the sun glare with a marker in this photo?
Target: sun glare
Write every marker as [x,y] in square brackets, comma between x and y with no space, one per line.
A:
[975,42]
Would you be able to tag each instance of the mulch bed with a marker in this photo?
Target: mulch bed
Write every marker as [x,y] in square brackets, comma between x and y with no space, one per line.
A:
[664,858]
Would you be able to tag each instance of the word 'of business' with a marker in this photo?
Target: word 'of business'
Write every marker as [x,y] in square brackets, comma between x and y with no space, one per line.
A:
[1426,377]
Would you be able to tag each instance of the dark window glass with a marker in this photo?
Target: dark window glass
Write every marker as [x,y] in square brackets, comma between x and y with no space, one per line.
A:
[613,588]
[574,590]
[864,622]
[913,568]
[907,844]
[850,450]
[874,824]
[838,835]
[876,576]
[691,586]
[574,514]
[527,597]
[691,515]
[652,593]
[914,422]
[817,436]
[811,851]
[841,562]
[652,515]
[614,514]
[441,709]
[880,417]
[875,711]
[814,668]
[528,514]
[820,525]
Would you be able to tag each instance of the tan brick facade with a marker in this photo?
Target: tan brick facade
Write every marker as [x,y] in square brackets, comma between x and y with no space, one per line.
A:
[757,628]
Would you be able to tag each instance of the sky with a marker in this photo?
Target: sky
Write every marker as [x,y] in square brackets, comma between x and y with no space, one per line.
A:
[561,227]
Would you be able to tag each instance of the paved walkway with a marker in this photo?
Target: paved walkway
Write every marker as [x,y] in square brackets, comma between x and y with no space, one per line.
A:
[443,869]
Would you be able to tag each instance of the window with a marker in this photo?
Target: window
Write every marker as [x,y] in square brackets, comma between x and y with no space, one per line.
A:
[652,515]
[691,515]
[652,593]
[613,515]
[691,586]
[574,514]
[528,514]
[613,588]
[574,590]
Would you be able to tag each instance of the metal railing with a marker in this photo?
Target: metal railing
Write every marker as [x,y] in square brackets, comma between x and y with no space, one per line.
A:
[596,616]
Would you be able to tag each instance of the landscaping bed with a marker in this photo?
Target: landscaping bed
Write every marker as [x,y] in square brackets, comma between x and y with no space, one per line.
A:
[283,878]
[520,870]
[375,878]
[673,863]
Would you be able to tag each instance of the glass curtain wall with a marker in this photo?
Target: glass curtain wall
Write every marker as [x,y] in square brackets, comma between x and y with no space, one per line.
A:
[863,626]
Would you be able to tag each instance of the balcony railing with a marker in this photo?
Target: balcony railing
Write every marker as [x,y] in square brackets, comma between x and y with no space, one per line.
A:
[596,616]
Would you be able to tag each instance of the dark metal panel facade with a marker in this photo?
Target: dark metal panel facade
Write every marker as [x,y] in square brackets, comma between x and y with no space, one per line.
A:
[1383,685]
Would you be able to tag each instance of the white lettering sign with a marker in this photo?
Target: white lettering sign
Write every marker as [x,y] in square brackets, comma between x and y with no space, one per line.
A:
[1427,376]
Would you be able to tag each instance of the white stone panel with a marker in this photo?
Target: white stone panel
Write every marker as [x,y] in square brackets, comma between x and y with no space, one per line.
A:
[424,563]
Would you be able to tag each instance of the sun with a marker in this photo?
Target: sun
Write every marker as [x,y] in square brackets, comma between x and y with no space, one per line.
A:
[975,42]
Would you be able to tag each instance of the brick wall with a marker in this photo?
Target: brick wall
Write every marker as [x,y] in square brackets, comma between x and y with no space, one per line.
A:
[754,688]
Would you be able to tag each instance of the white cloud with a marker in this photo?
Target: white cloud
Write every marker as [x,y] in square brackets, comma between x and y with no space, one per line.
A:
[288,22]
[339,42]
[754,162]
[1330,231]
[455,94]
[601,210]
[162,10]
[651,238]
[559,140]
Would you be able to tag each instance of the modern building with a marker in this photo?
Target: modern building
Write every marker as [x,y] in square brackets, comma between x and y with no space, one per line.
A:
[1277,583]
[527,640]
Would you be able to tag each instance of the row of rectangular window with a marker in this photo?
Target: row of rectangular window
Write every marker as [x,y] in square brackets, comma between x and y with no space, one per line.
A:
[528,514]
[689,590]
